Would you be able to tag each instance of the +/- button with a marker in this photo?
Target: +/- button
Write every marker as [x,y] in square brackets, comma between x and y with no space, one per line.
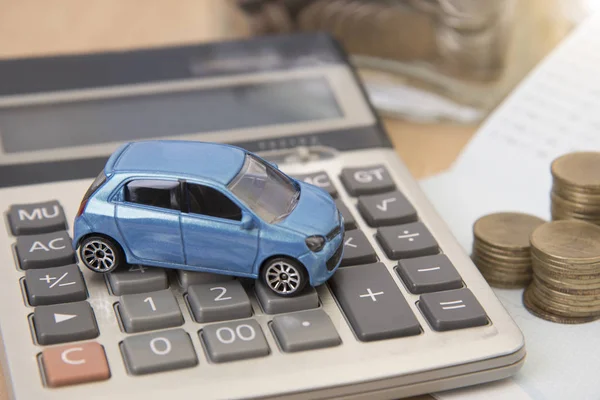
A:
[55,285]
[75,363]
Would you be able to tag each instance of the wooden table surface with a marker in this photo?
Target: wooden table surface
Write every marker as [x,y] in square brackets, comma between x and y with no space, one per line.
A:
[29,27]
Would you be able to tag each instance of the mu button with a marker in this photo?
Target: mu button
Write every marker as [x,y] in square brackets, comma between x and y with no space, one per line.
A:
[73,364]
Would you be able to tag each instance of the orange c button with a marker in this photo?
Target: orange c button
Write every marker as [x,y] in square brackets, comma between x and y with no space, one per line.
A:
[73,364]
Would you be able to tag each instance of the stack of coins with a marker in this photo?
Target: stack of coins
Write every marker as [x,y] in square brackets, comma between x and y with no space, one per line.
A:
[576,187]
[501,249]
[566,272]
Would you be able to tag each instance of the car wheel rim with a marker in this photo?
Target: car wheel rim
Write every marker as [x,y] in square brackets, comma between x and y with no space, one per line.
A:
[98,255]
[282,277]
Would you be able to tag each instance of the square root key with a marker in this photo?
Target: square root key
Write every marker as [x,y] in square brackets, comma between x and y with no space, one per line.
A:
[386,209]
[407,241]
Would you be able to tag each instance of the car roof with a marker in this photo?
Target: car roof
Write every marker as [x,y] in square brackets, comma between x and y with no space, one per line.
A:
[217,162]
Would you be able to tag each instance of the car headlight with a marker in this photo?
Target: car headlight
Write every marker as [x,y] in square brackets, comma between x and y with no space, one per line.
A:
[315,243]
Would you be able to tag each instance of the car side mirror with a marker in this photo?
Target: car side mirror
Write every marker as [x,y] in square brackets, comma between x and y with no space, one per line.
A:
[247,221]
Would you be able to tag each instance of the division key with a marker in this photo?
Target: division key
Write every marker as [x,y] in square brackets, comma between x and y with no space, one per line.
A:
[372,303]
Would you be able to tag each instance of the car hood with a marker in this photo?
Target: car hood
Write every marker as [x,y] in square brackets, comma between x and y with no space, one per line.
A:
[315,213]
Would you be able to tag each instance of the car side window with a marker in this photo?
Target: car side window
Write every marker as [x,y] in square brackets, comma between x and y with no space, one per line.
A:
[156,193]
[208,201]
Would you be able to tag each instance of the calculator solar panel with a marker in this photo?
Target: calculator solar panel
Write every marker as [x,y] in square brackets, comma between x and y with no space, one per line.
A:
[406,313]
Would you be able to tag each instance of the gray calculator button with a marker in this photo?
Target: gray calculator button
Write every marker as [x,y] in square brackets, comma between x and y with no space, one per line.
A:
[406,241]
[55,285]
[187,278]
[305,330]
[44,251]
[453,309]
[319,179]
[386,209]
[236,340]
[29,219]
[429,274]
[357,249]
[372,303]
[64,323]
[212,302]
[367,180]
[349,221]
[137,279]
[274,304]
[158,351]
[147,311]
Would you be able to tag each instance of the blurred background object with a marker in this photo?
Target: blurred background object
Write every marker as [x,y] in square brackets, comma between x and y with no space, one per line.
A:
[422,60]
[430,60]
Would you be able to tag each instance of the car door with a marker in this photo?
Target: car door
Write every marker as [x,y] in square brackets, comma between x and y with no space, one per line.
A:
[148,216]
[214,236]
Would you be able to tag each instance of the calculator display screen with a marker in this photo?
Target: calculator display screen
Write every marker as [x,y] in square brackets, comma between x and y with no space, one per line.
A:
[131,117]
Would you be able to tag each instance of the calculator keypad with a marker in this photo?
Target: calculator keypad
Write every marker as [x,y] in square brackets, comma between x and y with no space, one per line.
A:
[55,285]
[75,363]
[187,278]
[305,330]
[222,301]
[367,180]
[357,249]
[137,279]
[453,309]
[35,218]
[64,323]
[321,180]
[386,209]
[45,251]
[274,304]
[235,340]
[158,351]
[429,274]
[349,221]
[373,303]
[407,241]
[366,292]
[146,311]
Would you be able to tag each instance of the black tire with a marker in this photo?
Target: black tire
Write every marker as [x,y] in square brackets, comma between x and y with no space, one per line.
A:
[284,276]
[100,254]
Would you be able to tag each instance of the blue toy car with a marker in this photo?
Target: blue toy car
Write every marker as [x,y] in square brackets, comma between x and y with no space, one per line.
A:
[208,207]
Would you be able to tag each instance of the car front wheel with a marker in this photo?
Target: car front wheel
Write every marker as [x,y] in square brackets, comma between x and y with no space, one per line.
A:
[284,276]
[100,254]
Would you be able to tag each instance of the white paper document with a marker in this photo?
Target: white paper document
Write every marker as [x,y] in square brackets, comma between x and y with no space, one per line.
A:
[506,167]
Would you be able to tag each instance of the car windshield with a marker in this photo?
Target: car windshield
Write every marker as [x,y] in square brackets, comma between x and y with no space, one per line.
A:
[267,191]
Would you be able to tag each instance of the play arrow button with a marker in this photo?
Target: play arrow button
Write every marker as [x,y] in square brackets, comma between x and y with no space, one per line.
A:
[58,318]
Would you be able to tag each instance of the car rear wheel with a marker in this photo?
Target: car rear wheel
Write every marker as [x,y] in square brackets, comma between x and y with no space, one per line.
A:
[284,276]
[100,254]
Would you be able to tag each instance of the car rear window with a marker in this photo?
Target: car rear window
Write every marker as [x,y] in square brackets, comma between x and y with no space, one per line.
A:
[99,181]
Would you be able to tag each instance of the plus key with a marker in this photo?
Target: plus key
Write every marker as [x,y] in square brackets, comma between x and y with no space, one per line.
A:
[372,303]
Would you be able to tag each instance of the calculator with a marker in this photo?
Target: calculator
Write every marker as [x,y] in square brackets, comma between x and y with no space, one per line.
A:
[406,312]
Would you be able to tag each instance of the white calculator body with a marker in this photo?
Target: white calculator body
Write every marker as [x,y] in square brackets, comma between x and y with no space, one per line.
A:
[406,313]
